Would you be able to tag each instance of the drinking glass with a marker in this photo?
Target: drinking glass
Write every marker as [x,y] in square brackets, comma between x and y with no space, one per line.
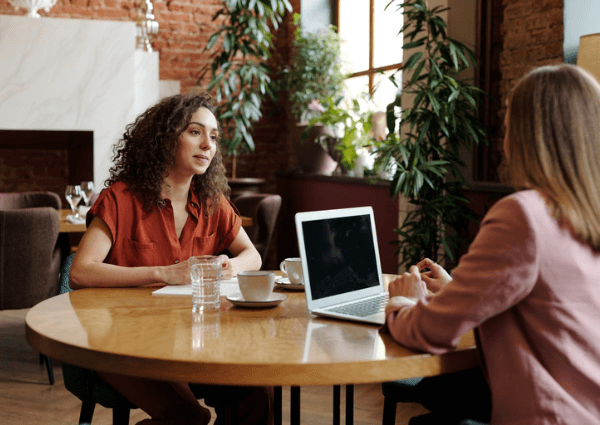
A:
[87,190]
[205,274]
[74,195]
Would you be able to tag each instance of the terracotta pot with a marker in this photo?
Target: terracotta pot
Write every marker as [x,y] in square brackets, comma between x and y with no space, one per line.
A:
[312,158]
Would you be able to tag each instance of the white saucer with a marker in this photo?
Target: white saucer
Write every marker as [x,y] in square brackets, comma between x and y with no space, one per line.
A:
[275,299]
[284,282]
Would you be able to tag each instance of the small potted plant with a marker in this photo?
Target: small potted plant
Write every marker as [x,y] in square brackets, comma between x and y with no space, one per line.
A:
[348,136]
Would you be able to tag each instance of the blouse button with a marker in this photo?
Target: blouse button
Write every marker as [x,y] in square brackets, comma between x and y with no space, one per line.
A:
[176,261]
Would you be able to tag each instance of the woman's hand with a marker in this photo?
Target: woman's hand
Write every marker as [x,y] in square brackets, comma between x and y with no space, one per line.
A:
[176,274]
[409,285]
[227,267]
[436,278]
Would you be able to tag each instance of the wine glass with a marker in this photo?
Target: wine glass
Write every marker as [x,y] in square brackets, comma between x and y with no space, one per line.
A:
[87,189]
[74,195]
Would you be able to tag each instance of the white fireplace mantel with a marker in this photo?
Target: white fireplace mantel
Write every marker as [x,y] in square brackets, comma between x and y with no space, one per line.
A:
[73,74]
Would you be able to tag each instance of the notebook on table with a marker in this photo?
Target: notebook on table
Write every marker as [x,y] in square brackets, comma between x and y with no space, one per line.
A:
[341,265]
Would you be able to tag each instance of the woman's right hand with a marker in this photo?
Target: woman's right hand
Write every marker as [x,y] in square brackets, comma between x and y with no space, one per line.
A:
[436,278]
[176,274]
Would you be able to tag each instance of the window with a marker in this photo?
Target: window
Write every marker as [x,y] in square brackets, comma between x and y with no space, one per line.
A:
[372,48]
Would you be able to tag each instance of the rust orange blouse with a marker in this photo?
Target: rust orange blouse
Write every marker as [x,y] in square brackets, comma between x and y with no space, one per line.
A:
[142,238]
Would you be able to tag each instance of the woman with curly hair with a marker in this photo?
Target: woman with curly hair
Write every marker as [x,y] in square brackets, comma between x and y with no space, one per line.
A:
[166,200]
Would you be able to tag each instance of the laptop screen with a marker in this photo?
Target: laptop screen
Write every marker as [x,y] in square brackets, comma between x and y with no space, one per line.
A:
[340,255]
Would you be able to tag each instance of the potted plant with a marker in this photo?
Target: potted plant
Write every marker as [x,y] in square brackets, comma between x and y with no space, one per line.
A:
[348,133]
[239,73]
[314,75]
[425,151]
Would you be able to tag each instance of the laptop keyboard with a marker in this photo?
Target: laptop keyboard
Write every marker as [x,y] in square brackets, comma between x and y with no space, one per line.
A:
[362,308]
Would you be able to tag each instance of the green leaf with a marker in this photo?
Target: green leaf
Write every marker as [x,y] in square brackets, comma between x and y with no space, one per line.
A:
[412,60]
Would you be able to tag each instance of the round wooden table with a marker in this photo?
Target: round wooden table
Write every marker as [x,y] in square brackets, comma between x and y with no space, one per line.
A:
[130,331]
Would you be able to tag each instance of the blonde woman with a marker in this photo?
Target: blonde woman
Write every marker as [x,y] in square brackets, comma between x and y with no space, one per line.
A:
[530,283]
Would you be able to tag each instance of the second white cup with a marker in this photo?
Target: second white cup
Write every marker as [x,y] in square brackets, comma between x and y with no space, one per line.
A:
[256,285]
[292,267]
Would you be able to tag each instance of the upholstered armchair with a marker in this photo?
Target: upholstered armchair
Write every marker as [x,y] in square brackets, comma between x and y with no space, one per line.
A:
[264,210]
[29,253]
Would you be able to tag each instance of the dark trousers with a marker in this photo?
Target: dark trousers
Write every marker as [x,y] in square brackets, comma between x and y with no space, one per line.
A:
[453,398]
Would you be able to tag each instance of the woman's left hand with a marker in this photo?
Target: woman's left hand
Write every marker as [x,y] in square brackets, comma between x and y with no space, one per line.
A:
[227,268]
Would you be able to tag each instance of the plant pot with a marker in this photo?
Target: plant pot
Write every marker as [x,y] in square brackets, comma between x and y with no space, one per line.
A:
[312,157]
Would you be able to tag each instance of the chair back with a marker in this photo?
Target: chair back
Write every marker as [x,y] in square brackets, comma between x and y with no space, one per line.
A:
[263,209]
[29,256]
[17,201]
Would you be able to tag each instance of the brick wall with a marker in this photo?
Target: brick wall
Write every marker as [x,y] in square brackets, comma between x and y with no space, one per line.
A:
[530,34]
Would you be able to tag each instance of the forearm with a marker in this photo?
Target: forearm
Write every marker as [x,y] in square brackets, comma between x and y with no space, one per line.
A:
[248,259]
[92,274]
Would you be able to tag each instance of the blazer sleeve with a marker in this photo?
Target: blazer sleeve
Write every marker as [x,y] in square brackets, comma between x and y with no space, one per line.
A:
[499,270]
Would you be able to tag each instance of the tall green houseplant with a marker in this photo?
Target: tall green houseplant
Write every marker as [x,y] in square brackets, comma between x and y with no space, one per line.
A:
[425,146]
[239,72]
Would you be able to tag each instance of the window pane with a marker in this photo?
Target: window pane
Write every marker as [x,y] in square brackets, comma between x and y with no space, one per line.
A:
[354,31]
[385,90]
[388,44]
[356,87]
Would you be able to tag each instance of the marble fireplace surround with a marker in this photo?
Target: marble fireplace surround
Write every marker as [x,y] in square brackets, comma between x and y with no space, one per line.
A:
[72,75]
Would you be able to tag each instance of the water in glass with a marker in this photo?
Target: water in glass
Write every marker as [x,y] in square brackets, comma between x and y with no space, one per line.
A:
[205,274]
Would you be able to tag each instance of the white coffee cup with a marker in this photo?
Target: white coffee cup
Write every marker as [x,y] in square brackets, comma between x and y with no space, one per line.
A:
[256,285]
[292,267]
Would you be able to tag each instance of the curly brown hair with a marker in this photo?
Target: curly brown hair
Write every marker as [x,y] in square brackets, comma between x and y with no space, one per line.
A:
[149,145]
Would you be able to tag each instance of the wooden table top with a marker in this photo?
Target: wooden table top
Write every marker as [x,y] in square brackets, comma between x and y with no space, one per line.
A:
[68,227]
[130,331]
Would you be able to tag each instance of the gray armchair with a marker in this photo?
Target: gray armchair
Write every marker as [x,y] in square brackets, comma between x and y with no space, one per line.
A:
[30,256]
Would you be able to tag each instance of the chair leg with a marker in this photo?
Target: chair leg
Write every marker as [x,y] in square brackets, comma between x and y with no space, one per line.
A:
[87,411]
[48,362]
[389,411]
[121,416]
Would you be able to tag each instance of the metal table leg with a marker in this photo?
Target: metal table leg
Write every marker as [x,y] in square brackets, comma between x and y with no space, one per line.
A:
[277,408]
[295,406]
[349,404]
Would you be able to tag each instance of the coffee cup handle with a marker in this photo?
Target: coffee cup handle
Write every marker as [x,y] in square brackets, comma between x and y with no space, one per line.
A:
[282,266]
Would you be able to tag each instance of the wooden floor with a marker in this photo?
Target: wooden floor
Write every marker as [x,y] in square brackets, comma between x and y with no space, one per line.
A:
[27,398]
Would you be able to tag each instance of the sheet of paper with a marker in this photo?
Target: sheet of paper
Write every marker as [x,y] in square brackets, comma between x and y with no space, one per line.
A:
[228,287]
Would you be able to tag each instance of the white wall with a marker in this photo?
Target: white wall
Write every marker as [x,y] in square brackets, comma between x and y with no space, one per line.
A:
[581,17]
[72,74]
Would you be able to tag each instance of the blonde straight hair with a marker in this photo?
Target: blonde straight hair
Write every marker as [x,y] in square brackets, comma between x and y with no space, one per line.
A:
[553,144]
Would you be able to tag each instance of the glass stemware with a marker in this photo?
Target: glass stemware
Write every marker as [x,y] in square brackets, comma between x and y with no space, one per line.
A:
[73,194]
[87,188]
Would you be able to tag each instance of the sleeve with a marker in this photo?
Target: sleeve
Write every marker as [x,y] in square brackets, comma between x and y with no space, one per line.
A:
[230,223]
[500,269]
[105,208]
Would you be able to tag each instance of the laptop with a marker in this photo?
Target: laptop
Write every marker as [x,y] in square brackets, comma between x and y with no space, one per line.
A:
[341,265]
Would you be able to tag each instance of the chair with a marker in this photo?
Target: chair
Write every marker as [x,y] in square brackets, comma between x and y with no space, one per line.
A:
[85,384]
[263,209]
[29,251]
